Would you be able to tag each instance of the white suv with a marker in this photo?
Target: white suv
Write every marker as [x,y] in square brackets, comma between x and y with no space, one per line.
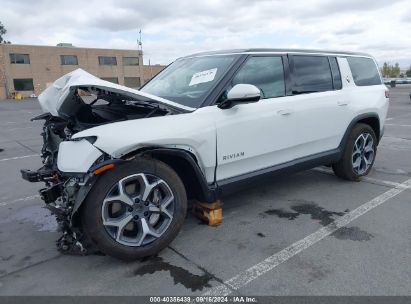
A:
[120,164]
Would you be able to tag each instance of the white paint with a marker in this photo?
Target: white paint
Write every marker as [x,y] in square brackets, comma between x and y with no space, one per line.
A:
[364,178]
[315,123]
[395,125]
[77,156]
[203,76]
[20,128]
[18,157]
[383,182]
[52,98]
[23,199]
[254,272]
[258,131]
[195,131]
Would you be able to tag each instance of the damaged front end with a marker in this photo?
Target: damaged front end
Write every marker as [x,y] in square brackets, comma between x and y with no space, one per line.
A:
[63,193]
[74,103]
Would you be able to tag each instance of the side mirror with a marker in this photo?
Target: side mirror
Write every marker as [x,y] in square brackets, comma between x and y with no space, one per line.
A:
[241,93]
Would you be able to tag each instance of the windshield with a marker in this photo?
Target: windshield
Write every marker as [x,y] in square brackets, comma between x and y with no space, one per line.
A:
[188,81]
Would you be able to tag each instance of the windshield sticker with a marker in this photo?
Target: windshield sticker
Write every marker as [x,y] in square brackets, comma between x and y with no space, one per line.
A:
[204,76]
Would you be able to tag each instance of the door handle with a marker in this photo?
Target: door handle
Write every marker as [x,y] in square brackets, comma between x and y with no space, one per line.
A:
[284,112]
[342,103]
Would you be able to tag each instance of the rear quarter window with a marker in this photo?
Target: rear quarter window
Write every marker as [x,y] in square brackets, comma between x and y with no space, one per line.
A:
[364,71]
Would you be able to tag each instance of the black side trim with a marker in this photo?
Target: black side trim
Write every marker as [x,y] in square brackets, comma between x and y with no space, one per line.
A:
[287,76]
[351,125]
[207,192]
[233,184]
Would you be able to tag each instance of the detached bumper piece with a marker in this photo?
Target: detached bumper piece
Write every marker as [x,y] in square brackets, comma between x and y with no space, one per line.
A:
[41,175]
[30,176]
[51,194]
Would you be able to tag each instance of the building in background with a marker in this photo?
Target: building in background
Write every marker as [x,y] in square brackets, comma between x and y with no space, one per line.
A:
[29,69]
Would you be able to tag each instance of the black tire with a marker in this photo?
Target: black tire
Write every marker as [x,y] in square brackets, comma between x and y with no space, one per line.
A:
[344,167]
[91,213]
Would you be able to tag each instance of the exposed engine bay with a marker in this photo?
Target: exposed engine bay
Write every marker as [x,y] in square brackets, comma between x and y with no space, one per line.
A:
[63,193]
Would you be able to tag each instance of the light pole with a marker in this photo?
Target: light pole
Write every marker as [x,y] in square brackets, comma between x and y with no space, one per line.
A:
[140,49]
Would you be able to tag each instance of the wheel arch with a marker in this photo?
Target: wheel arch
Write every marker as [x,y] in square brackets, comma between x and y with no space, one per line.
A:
[372,119]
[186,166]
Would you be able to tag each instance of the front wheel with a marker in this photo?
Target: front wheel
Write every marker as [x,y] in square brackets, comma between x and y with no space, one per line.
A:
[135,210]
[358,155]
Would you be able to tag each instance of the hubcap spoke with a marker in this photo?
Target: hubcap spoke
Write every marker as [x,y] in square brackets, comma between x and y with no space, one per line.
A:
[120,224]
[357,163]
[154,209]
[369,147]
[122,195]
[147,187]
[146,230]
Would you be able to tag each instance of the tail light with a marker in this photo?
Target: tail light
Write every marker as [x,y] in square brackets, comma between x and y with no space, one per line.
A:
[387,94]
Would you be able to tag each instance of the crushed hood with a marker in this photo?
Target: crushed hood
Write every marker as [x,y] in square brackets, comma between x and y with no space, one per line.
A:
[60,92]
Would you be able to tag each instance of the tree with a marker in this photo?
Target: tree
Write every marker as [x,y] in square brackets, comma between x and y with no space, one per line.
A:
[396,69]
[389,70]
[385,70]
[408,72]
[3,31]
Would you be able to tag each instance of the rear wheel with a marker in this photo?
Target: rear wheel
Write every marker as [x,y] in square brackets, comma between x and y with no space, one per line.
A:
[135,210]
[359,153]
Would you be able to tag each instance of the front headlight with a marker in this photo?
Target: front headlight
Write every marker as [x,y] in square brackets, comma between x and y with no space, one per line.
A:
[77,156]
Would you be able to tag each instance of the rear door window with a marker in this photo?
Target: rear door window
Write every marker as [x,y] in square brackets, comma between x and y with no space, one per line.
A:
[266,73]
[364,71]
[311,74]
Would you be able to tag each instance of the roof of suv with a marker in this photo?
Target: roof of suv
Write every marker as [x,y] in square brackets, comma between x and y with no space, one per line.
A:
[269,50]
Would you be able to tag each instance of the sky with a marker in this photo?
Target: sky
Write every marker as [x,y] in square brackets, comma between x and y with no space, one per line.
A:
[171,29]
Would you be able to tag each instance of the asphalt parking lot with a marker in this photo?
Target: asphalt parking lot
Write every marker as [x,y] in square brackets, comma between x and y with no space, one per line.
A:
[280,238]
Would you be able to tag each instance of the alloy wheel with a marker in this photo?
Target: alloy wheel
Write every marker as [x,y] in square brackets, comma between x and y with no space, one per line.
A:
[363,153]
[138,209]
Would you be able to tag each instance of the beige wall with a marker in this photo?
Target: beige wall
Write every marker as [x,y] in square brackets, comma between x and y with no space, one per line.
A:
[149,71]
[45,65]
[3,80]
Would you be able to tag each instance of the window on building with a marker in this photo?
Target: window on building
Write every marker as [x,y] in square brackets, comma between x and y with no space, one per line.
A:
[107,60]
[132,82]
[130,60]
[335,71]
[68,59]
[20,58]
[111,79]
[311,74]
[23,84]
[266,73]
[364,71]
